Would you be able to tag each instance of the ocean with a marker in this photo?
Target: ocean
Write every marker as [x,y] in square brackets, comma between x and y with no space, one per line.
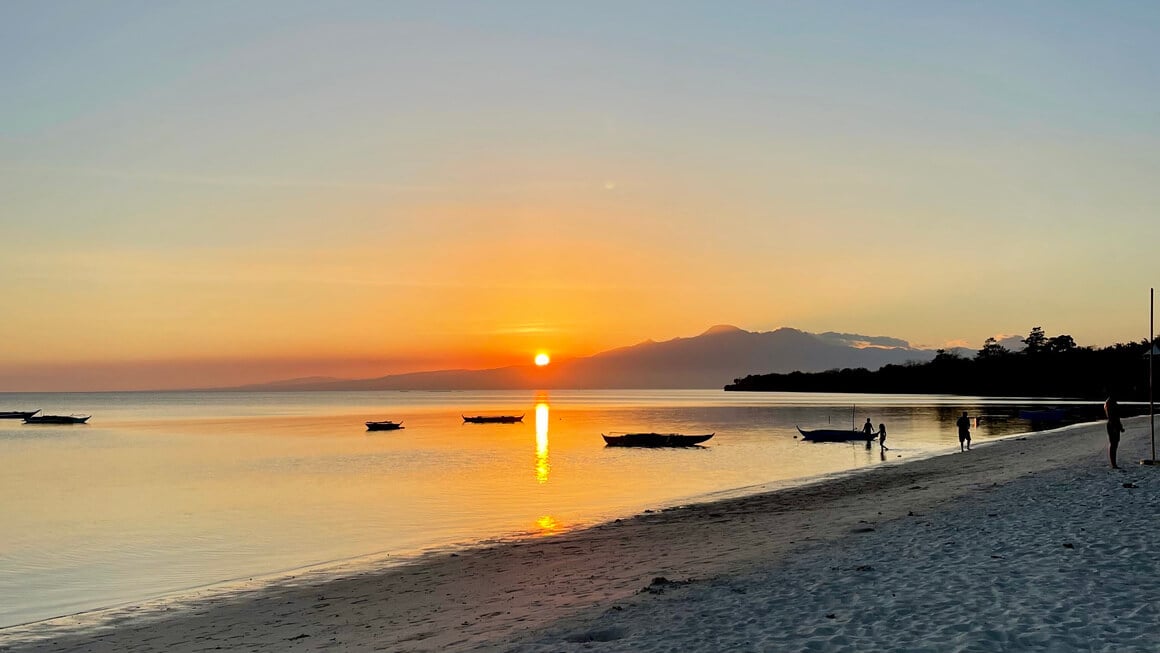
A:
[164,493]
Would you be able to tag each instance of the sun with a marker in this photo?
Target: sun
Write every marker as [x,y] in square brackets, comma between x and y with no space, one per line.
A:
[543,359]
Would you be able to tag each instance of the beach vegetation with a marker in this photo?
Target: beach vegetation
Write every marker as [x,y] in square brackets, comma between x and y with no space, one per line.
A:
[1035,342]
[1047,366]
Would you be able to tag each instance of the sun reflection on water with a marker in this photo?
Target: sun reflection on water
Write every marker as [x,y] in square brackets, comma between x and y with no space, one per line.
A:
[542,466]
[548,525]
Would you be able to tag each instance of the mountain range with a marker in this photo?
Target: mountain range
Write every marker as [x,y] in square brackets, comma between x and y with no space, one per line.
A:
[709,360]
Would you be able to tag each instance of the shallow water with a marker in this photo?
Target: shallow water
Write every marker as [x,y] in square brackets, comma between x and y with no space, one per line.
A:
[163,492]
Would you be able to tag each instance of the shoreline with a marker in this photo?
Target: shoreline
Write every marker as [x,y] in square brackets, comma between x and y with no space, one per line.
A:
[1056,558]
[381,561]
[468,598]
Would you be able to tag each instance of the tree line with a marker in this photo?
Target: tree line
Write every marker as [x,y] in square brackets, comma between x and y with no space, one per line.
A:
[1045,367]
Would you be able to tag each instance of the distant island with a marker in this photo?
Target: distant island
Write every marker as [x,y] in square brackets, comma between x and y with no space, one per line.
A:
[704,361]
[1044,367]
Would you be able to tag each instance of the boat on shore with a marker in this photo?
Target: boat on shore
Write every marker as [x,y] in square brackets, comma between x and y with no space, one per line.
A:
[384,425]
[18,414]
[56,419]
[654,439]
[835,435]
[492,419]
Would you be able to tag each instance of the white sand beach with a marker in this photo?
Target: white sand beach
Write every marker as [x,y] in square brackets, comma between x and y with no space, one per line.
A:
[1030,543]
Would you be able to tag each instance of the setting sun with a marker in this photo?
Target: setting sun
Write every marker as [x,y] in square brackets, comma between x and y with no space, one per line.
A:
[542,359]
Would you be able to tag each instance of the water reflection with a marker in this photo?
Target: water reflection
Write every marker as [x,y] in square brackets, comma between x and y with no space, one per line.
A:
[542,466]
[179,490]
[548,525]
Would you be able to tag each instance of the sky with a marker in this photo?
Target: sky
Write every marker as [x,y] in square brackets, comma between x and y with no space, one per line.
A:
[215,193]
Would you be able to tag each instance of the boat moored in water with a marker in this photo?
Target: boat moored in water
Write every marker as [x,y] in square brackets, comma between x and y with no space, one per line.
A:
[384,425]
[493,419]
[18,414]
[56,419]
[654,439]
[835,435]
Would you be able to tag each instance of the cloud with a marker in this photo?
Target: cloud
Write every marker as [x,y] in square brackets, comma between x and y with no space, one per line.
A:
[218,180]
[525,329]
[1012,342]
[861,341]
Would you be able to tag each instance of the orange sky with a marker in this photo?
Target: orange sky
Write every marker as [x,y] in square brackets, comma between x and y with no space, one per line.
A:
[211,195]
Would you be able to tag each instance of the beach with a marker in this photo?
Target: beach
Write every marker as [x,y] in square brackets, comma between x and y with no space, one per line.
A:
[1029,542]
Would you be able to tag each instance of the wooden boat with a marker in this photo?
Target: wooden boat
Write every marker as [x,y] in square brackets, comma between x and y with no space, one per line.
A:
[493,419]
[56,419]
[654,440]
[17,414]
[385,425]
[835,435]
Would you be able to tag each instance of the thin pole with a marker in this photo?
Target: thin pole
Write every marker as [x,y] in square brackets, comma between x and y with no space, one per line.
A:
[1151,354]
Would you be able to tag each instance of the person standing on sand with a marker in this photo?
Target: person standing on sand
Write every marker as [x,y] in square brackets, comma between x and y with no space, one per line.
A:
[882,436]
[964,424]
[1115,428]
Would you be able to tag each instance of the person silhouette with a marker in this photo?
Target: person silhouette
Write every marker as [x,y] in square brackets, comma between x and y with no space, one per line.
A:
[1115,428]
[882,436]
[868,431]
[964,424]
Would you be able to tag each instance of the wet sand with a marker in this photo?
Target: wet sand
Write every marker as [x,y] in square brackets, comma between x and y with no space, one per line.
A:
[750,573]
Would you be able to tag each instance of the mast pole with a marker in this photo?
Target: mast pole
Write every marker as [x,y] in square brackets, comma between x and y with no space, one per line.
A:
[1151,355]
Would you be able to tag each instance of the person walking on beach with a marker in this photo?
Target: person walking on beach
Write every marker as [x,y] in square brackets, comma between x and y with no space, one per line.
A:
[964,424]
[1115,428]
[882,436]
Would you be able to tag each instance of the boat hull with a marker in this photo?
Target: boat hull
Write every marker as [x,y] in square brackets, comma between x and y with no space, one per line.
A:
[384,426]
[495,419]
[18,414]
[56,419]
[654,440]
[835,435]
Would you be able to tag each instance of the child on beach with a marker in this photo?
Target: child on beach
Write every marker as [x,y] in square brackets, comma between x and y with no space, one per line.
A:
[1115,428]
[882,436]
[964,424]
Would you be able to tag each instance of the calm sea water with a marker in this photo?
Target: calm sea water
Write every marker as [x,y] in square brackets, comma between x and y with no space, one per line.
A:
[164,492]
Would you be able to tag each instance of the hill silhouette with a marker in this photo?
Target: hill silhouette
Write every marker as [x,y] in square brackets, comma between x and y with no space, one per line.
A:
[709,360]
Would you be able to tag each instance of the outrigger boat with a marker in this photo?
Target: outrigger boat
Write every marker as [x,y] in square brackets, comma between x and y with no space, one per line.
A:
[654,439]
[851,434]
[56,419]
[385,425]
[18,414]
[835,435]
[493,419]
